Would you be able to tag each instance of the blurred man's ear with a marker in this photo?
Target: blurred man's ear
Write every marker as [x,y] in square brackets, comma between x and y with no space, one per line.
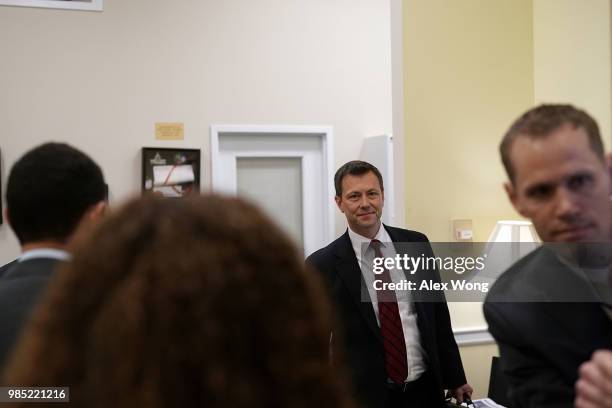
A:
[513,197]
[96,211]
[6,216]
[89,220]
[92,216]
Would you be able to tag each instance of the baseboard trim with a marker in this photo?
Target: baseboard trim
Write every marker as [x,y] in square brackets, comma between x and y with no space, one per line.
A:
[473,336]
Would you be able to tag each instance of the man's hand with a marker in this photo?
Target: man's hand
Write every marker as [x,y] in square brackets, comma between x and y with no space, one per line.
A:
[458,392]
[594,386]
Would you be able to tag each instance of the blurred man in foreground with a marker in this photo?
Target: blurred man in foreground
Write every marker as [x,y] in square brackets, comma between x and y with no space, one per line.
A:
[543,311]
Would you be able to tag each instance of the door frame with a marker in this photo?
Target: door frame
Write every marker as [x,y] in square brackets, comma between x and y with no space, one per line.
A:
[325,133]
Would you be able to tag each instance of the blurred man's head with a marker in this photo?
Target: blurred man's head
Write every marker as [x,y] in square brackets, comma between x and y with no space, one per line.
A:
[49,191]
[360,196]
[558,174]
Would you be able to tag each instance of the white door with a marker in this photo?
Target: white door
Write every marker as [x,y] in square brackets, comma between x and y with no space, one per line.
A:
[285,171]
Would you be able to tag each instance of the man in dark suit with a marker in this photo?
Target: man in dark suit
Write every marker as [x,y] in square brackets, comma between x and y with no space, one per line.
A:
[546,312]
[400,353]
[51,190]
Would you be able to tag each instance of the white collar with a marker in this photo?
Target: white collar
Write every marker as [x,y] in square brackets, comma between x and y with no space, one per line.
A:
[52,253]
[358,240]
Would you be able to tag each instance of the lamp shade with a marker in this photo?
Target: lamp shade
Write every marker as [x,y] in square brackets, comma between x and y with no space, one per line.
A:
[514,231]
[509,242]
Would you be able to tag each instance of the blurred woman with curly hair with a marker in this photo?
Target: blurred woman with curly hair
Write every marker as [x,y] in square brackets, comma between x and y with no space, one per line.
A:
[200,301]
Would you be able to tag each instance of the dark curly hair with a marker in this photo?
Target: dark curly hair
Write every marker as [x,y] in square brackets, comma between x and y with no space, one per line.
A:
[200,301]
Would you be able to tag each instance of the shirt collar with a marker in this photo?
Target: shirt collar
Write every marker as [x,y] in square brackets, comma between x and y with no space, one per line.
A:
[51,253]
[357,240]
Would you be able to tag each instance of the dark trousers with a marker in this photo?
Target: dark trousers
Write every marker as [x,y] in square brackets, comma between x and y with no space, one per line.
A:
[421,393]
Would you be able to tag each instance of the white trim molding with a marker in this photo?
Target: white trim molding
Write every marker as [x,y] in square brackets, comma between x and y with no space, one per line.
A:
[473,336]
[87,5]
[397,98]
[324,184]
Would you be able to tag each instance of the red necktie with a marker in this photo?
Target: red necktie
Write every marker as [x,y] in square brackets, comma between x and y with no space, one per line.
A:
[391,327]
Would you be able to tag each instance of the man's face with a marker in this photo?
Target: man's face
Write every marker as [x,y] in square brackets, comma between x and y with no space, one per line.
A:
[362,202]
[562,186]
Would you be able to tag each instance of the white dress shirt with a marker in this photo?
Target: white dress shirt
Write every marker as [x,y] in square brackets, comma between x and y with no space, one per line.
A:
[415,353]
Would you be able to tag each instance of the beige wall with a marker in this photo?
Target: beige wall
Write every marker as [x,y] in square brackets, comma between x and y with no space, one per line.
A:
[468,73]
[572,56]
[470,68]
[101,80]
[477,364]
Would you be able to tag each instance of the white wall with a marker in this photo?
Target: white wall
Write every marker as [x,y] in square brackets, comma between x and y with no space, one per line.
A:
[101,80]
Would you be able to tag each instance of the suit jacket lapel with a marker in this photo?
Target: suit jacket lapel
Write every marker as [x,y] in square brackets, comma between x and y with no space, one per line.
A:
[349,271]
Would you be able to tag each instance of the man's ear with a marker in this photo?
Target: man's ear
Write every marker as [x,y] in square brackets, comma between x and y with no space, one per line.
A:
[96,211]
[338,201]
[513,197]
[88,221]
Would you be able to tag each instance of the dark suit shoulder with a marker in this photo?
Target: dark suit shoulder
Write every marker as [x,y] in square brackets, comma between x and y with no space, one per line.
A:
[405,235]
[513,305]
[20,290]
[324,259]
[511,282]
[25,279]
[320,254]
[37,267]
[340,244]
[4,269]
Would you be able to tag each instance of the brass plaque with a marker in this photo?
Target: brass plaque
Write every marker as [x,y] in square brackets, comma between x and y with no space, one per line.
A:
[169,131]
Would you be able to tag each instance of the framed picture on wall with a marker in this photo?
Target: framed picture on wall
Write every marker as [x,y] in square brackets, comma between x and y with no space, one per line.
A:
[170,172]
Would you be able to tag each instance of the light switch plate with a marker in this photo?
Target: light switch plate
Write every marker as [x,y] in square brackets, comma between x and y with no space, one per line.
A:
[462,230]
